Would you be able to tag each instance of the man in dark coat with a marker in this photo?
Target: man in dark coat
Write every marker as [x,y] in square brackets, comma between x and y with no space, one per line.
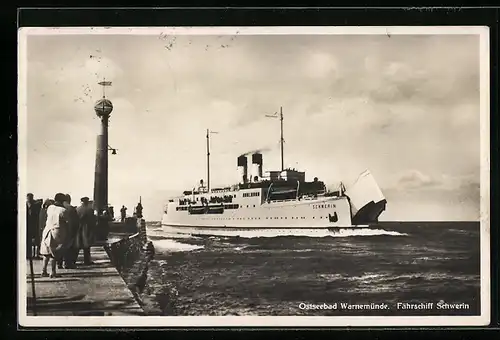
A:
[68,260]
[33,208]
[123,213]
[86,230]
[138,210]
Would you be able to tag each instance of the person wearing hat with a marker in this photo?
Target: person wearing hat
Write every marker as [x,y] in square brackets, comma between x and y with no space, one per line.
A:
[54,236]
[68,260]
[86,229]
[42,219]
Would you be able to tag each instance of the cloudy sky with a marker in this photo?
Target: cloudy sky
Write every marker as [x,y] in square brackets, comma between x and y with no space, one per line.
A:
[404,106]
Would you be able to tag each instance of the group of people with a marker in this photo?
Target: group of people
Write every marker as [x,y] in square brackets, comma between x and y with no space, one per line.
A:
[58,231]
[137,212]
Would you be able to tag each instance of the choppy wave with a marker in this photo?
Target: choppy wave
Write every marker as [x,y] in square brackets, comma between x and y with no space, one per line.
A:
[247,272]
[163,234]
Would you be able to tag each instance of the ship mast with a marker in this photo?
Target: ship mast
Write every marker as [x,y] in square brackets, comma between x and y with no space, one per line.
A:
[282,140]
[208,160]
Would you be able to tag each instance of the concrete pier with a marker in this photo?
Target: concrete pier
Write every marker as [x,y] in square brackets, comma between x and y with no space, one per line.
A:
[94,290]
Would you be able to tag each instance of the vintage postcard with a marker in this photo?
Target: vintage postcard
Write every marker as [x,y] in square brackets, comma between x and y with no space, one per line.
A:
[251,176]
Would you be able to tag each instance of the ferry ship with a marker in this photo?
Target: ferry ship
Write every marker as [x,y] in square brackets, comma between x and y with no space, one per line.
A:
[281,199]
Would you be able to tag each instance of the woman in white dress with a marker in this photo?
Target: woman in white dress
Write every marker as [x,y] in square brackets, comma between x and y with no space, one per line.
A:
[54,235]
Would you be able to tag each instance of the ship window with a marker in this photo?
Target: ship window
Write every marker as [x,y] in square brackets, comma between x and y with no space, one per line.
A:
[281,217]
[234,196]
[313,217]
[254,205]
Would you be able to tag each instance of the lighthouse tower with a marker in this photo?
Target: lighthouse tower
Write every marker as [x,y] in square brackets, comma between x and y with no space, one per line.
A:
[103,108]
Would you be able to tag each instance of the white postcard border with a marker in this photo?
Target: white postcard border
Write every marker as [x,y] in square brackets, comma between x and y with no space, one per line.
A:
[259,321]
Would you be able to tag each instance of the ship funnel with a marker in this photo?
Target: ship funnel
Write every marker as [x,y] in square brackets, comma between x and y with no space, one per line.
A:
[242,169]
[256,165]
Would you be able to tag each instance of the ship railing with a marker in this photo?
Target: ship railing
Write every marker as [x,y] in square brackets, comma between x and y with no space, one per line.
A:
[280,201]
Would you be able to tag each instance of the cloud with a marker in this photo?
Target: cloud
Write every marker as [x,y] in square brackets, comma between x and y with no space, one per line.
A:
[419,196]
[414,179]
[350,103]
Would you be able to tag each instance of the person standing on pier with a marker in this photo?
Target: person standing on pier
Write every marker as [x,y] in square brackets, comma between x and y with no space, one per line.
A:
[112,212]
[123,212]
[42,218]
[68,260]
[54,236]
[33,208]
[138,210]
[86,229]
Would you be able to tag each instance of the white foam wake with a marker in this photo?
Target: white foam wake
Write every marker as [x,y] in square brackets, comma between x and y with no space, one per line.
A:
[161,233]
[256,233]
[174,246]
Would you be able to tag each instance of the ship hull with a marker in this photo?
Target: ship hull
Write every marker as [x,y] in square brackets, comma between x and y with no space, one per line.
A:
[331,212]
[257,231]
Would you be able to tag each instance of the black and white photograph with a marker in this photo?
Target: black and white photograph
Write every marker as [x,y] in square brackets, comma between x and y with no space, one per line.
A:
[254,176]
